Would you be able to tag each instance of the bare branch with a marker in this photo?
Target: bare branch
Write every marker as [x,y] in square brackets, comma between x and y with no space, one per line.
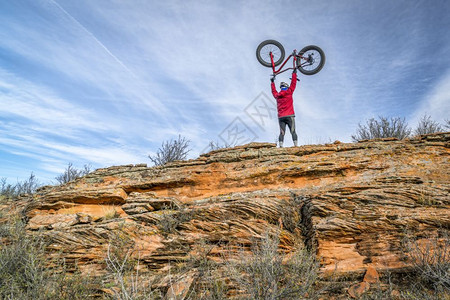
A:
[72,173]
[427,125]
[170,151]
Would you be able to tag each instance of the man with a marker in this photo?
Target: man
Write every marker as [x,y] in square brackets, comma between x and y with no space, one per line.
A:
[286,114]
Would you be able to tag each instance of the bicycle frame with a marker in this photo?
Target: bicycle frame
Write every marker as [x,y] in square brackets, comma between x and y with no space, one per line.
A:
[294,55]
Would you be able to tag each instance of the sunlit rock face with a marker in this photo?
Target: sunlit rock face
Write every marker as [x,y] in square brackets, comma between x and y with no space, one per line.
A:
[352,204]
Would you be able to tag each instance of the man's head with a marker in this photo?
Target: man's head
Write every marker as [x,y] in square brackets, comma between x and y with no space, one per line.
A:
[284,86]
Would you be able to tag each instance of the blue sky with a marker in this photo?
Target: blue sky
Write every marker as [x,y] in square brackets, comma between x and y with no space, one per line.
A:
[106,82]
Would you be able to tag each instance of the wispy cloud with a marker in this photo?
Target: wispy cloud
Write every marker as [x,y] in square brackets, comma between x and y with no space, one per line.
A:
[41,107]
[93,36]
[436,103]
[106,82]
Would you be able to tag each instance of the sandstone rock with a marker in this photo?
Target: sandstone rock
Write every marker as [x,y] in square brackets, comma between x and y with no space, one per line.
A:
[136,208]
[150,201]
[357,290]
[180,289]
[371,275]
[349,202]
[84,218]
[52,221]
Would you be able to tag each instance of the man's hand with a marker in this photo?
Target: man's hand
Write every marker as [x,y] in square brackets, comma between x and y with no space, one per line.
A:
[294,71]
[272,79]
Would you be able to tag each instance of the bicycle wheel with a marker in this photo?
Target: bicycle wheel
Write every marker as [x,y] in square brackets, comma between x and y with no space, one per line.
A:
[265,48]
[310,60]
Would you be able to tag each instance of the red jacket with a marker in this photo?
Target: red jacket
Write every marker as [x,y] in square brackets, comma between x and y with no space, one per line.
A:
[284,98]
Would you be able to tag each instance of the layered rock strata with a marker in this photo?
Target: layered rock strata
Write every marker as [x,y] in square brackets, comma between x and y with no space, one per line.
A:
[353,204]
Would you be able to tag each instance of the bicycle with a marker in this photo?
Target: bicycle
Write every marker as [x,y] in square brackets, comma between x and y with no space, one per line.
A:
[309,61]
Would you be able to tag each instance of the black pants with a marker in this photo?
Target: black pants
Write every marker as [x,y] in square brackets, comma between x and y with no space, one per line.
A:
[290,122]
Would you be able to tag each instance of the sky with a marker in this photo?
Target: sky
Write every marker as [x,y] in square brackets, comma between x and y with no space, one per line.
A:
[105,83]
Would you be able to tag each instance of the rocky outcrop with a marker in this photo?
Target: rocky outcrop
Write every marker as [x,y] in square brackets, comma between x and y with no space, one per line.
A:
[351,203]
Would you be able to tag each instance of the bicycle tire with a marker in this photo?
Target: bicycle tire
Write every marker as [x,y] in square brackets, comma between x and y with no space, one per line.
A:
[263,50]
[314,66]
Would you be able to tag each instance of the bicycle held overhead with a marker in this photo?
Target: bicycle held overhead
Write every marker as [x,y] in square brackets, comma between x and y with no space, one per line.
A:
[309,61]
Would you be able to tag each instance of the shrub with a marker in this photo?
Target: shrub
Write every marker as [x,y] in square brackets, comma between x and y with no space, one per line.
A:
[382,128]
[127,282]
[209,284]
[21,267]
[216,146]
[71,173]
[28,186]
[427,126]
[447,124]
[118,263]
[170,151]
[429,277]
[7,190]
[264,274]
[431,261]
[172,217]
[24,273]
[120,247]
